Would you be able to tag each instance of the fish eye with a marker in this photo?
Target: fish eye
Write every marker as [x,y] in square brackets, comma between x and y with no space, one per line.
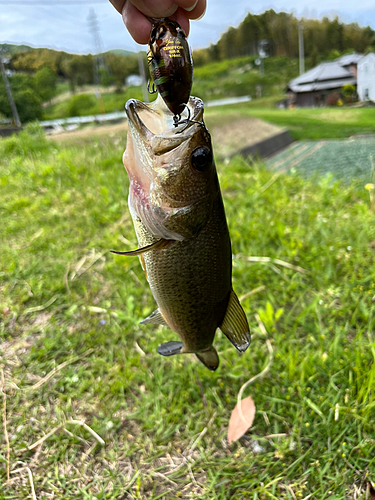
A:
[201,159]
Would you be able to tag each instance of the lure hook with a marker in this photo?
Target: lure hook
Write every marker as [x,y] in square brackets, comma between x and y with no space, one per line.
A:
[177,120]
[153,90]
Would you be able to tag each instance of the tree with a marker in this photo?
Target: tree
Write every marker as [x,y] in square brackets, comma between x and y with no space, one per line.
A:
[27,101]
[122,67]
[29,105]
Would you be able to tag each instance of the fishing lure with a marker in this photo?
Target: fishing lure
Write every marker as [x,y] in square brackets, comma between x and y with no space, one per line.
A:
[171,65]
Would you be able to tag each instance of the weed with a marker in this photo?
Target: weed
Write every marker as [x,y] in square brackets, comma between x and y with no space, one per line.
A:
[72,348]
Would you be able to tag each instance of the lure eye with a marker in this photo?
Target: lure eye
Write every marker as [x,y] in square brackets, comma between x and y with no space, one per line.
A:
[180,32]
[162,31]
[201,159]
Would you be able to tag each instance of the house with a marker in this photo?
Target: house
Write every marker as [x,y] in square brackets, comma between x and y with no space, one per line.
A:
[366,78]
[313,87]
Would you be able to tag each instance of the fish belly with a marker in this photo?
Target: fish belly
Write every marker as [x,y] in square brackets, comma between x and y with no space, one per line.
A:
[191,279]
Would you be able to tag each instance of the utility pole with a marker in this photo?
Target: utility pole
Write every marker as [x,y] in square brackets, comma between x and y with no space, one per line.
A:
[301,49]
[9,94]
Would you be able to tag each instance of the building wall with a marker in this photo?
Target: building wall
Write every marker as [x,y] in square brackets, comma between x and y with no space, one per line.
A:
[311,99]
[366,78]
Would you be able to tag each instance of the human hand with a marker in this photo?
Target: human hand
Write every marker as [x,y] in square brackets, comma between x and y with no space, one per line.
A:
[136,14]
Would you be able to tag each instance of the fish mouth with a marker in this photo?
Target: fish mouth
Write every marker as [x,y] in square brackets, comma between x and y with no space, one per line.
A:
[153,123]
[152,134]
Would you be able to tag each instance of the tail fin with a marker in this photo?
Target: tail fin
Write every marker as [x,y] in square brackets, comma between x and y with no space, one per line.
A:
[209,358]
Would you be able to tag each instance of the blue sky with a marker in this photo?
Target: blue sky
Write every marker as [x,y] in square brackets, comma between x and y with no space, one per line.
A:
[63,25]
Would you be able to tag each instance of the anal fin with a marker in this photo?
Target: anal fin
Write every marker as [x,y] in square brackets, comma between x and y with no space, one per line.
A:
[209,358]
[235,325]
[170,348]
[156,318]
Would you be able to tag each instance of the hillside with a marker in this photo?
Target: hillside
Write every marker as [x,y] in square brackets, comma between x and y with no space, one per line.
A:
[8,48]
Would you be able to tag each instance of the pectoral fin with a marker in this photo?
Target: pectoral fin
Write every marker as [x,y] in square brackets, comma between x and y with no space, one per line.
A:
[170,348]
[209,358]
[235,325]
[156,318]
[157,244]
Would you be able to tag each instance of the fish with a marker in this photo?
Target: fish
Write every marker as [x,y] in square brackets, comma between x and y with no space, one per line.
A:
[170,64]
[184,245]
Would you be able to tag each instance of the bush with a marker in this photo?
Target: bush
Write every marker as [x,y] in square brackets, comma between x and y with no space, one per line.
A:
[349,93]
[29,105]
[44,82]
[78,104]
[31,140]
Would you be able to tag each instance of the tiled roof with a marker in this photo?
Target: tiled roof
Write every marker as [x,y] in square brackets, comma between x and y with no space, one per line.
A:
[327,75]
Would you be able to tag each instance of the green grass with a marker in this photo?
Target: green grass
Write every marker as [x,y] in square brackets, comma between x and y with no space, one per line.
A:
[240,76]
[65,298]
[306,123]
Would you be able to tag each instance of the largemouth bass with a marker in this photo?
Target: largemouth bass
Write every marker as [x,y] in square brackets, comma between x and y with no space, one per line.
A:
[179,219]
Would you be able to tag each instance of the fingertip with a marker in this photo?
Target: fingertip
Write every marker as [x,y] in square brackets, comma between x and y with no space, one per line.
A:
[197,11]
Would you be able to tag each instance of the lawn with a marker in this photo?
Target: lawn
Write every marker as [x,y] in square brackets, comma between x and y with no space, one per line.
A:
[73,352]
[307,123]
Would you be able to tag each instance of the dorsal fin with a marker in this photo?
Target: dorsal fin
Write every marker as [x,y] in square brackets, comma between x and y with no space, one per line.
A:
[156,318]
[235,325]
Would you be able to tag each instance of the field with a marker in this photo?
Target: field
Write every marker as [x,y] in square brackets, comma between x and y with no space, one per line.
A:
[91,411]
[341,159]
[305,123]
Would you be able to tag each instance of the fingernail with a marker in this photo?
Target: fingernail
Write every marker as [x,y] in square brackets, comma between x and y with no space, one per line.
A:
[189,9]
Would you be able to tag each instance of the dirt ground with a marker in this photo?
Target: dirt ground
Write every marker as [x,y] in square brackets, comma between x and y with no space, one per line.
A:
[227,139]
[92,130]
[237,135]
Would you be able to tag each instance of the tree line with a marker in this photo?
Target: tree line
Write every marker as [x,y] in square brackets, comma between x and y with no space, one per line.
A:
[322,38]
[34,72]
[74,68]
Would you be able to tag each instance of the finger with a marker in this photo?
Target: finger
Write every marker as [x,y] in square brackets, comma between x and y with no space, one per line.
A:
[161,8]
[118,4]
[180,17]
[136,23]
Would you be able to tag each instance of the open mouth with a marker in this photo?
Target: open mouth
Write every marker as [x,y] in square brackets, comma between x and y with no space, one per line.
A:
[155,119]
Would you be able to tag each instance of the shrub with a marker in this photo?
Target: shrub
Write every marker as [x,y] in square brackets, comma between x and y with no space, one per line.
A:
[31,140]
[79,104]
[29,105]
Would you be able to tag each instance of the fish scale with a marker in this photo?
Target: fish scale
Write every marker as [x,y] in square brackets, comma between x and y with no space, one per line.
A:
[190,280]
